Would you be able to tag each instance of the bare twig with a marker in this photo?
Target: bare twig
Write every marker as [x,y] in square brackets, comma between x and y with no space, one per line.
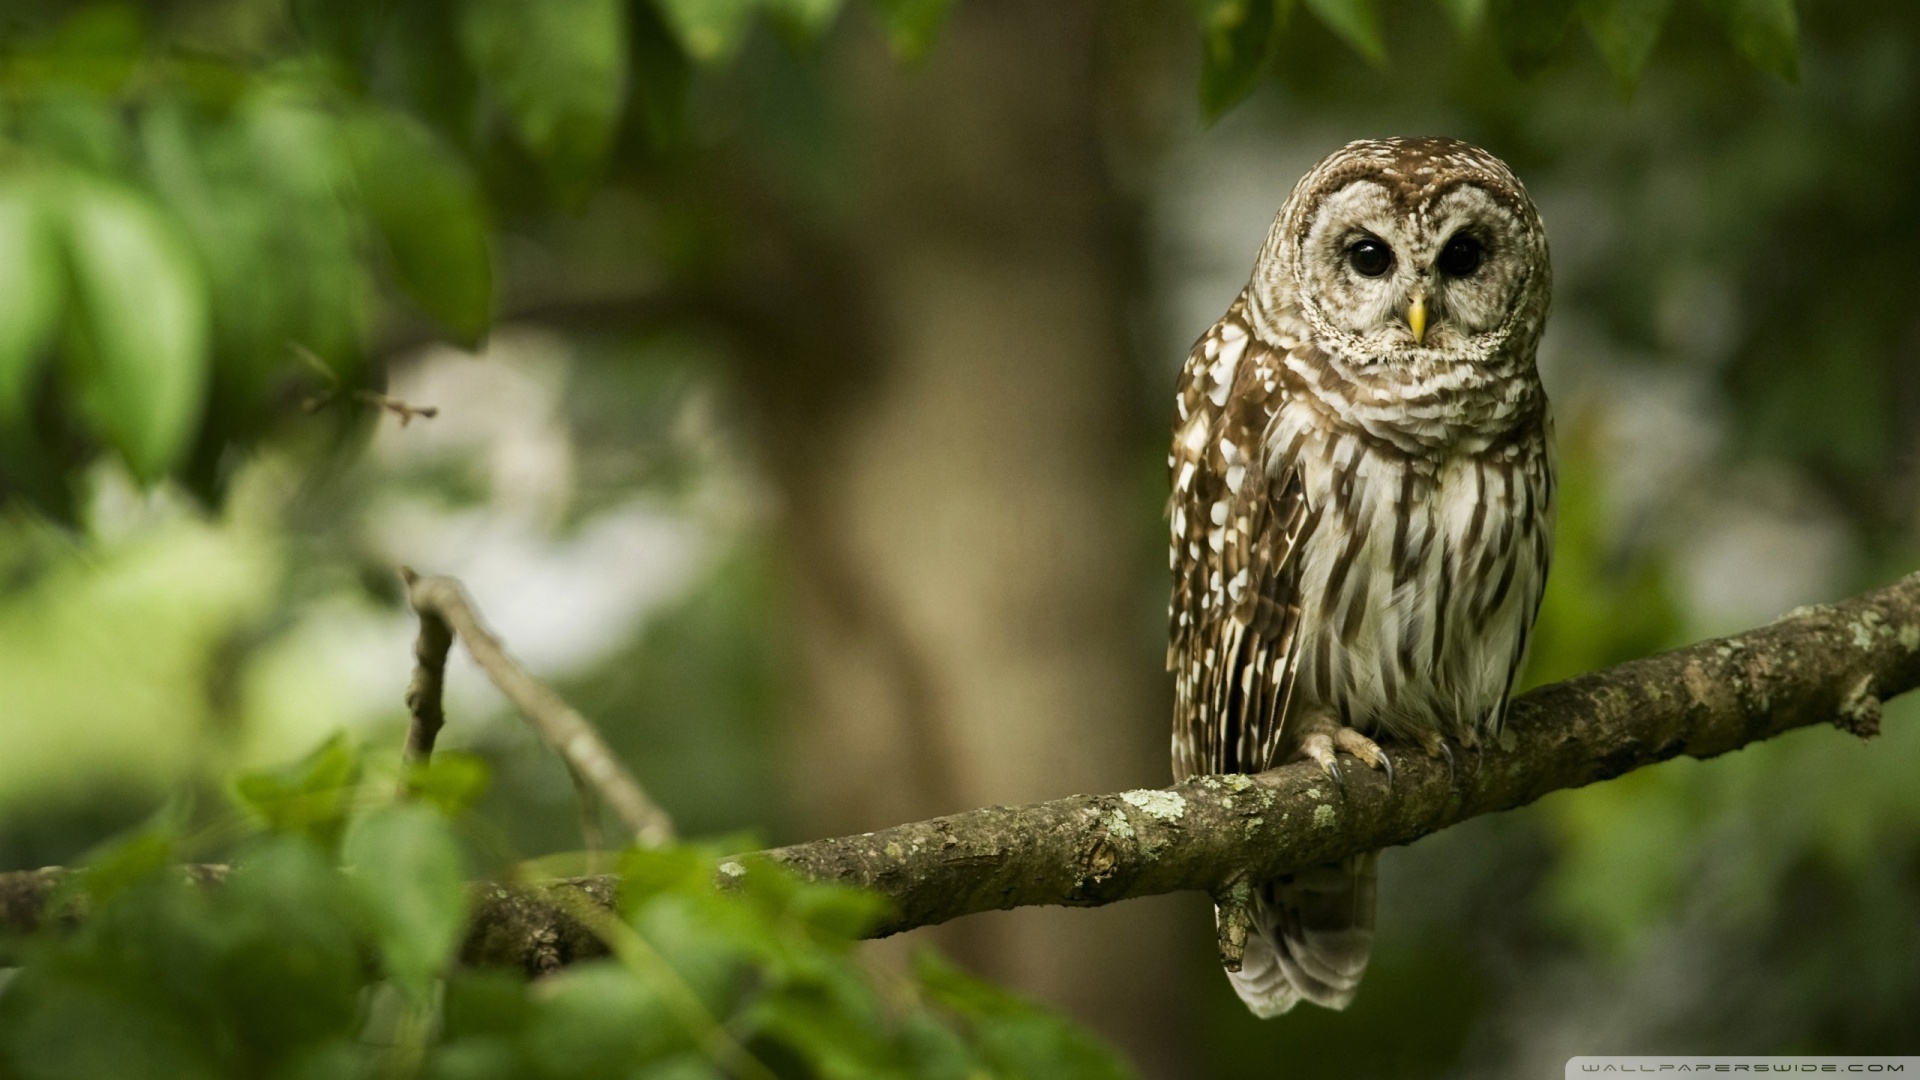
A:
[425,692]
[319,401]
[587,756]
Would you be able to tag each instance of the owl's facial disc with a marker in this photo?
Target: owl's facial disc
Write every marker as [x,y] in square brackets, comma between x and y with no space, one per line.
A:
[1391,277]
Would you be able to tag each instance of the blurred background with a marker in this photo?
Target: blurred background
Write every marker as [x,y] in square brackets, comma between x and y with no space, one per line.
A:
[802,381]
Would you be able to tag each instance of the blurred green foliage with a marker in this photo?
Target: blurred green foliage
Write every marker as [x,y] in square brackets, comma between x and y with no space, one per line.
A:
[191,196]
[327,951]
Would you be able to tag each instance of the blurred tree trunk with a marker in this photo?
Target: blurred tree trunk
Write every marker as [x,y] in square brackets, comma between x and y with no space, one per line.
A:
[973,543]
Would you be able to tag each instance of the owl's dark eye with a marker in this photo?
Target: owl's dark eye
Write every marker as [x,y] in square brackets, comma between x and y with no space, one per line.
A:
[1461,256]
[1370,257]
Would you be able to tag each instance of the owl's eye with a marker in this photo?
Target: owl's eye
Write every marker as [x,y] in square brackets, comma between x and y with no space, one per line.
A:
[1370,258]
[1461,256]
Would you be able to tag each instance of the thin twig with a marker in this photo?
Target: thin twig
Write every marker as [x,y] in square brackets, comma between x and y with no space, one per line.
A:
[394,405]
[424,693]
[571,735]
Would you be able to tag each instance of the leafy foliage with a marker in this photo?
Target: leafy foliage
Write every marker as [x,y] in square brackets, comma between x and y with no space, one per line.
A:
[298,966]
[184,217]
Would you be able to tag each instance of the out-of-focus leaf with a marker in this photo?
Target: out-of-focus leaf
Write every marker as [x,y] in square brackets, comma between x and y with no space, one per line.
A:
[559,69]
[1465,15]
[77,127]
[127,860]
[1239,38]
[659,72]
[421,66]
[810,17]
[411,878]
[452,780]
[310,797]
[143,368]
[1356,22]
[345,28]
[1625,32]
[600,1019]
[838,913]
[64,1025]
[430,212]
[912,25]
[711,31]
[1767,32]
[31,280]
[1018,1038]
[1528,31]
[95,49]
[646,873]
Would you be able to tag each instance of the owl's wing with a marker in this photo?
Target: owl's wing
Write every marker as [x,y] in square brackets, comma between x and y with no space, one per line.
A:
[1530,485]
[1236,527]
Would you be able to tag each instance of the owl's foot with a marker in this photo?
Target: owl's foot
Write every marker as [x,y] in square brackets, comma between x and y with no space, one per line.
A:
[1437,747]
[1325,740]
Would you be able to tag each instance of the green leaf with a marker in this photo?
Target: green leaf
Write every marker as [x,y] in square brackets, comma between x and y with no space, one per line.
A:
[660,73]
[1239,38]
[913,24]
[142,340]
[839,913]
[128,860]
[345,28]
[310,797]
[1356,22]
[96,49]
[600,1019]
[411,878]
[810,17]
[429,210]
[32,281]
[1625,32]
[1528,31]
[1018,1039]
[1465,15]
[452,781]
[1766,32]
[711,31]
[559,69]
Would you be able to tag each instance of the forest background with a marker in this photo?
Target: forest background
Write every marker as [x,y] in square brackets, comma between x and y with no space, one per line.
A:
[802,380]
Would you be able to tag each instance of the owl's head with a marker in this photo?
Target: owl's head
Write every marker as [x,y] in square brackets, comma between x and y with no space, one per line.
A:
[1394,249]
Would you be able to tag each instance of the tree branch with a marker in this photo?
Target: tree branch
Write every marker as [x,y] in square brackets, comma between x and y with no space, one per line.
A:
[1832,664]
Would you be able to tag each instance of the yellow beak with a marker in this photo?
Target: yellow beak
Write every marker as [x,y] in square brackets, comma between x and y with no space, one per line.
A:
[1417,317]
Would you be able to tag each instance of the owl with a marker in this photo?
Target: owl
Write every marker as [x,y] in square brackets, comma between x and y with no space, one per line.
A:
[1362,506]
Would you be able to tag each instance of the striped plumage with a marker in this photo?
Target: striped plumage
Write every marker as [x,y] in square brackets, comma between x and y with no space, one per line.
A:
[1362,505]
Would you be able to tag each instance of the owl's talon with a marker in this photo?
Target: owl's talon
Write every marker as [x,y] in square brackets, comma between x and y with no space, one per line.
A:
[1365,749]
[1437,747]
[1319,747]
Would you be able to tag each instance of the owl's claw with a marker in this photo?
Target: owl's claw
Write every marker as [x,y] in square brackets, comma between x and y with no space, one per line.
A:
[1327,741]
[1319,747]
[1438,747]
[1366,750]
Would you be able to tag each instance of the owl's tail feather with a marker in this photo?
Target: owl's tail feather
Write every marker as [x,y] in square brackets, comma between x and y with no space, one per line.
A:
[1311,936]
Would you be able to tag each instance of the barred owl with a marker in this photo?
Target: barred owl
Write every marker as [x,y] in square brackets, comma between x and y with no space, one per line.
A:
[1362,506]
